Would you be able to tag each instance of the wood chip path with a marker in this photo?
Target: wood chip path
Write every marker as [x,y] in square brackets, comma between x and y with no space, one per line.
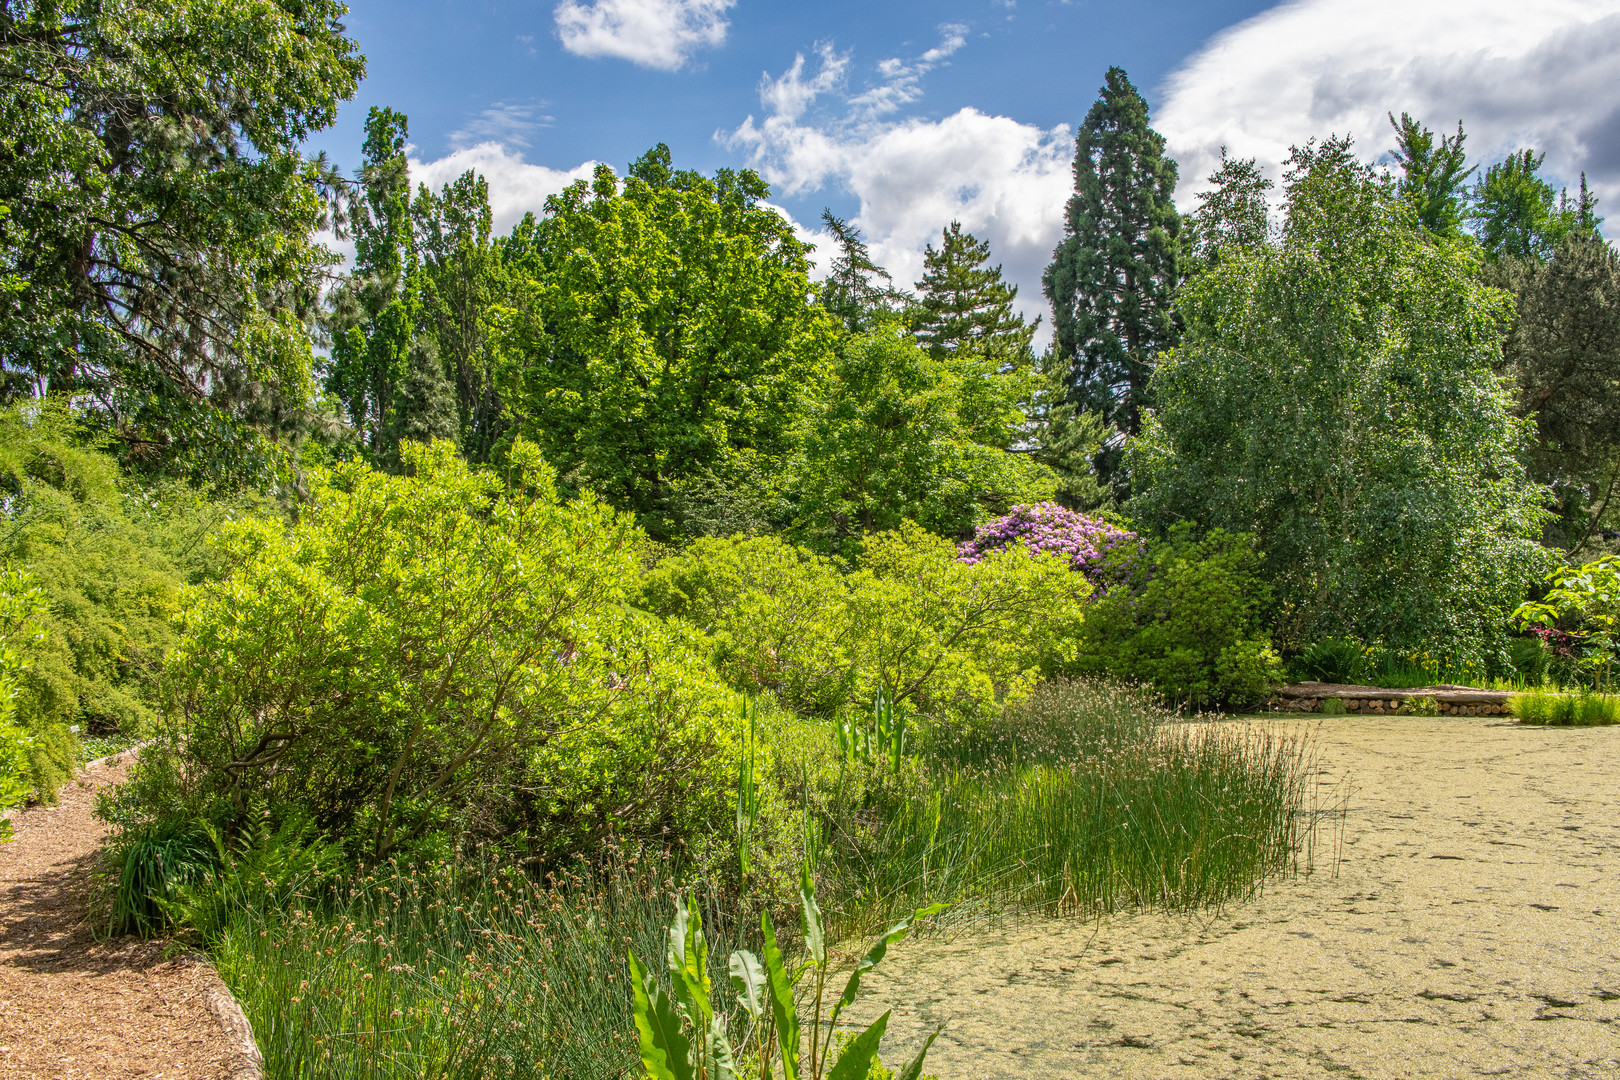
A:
[73,1007]
[1472,930]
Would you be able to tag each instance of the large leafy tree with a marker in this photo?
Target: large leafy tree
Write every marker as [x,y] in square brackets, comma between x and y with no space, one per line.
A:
[1334,396]
[964,305]
[157,238]
[669,332]
[1517,214]
[385,364]
[1232,215]
[1433,180]
[1563,360]
[892,435]
[1112,280]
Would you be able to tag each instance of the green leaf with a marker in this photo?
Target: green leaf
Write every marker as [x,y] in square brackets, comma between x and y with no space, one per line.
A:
[688,959]
[914,1068]
[855,1061]
[782,1004]
[720,1052]
[748,979]
[665,1052]
[875,954]
[813,940]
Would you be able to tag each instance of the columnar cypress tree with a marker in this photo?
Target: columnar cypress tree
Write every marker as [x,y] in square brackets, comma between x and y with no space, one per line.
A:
[965,306]
[1112,279]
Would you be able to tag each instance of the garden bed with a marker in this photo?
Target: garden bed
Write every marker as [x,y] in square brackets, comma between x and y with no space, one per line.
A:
[1449,699]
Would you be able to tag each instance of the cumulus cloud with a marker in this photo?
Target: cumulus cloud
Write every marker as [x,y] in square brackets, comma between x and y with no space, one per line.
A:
[659,34]
[515,186]
[1005,181]
[1517,74]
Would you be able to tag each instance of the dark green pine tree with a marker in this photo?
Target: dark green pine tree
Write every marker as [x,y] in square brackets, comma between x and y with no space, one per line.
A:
[1113,278]
[965,306]
[859,291]
[1433,179]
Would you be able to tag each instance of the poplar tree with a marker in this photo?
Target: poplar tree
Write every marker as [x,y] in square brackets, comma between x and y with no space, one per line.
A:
[1112,279]
[965,305]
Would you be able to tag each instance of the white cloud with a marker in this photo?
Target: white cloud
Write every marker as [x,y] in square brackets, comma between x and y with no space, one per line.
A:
[1517,74]
[515,186]
[1005,181]
[659,34]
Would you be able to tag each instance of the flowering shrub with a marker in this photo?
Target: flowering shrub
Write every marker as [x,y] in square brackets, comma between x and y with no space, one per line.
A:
[1105,554]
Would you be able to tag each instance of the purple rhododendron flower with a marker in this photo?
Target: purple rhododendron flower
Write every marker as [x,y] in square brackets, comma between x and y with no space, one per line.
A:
[1049,527]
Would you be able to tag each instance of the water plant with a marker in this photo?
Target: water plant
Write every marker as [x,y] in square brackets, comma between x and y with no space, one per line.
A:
[686,1038]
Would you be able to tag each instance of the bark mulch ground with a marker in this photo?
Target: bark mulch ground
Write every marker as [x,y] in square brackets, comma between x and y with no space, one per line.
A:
[72,1006]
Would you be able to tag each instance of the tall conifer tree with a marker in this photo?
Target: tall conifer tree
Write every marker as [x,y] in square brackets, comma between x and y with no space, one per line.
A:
[965,305]
[859,291]
[1112,279]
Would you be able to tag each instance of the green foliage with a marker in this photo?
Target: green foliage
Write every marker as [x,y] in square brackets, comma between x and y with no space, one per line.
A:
[964,306]
[687,1039]
[1550,707]
[437,653]
[1332,660]
[1587,597]
[22,608]
[1190,625]
[1516,213]
[858,292]
[99,557]
[1433,180]
[1561,358]
[154,864]
[912,621]
[891,435]
[1333,396]
[186,340]
[1113,277]
[1232,215]
[1085,798]
[668,330]
[1528,656]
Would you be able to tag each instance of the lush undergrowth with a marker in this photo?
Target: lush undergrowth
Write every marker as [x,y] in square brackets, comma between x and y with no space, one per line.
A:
[1085,800]
[1583,709]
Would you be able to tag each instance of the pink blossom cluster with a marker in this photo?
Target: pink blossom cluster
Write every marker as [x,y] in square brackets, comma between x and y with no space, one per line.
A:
[1049,527]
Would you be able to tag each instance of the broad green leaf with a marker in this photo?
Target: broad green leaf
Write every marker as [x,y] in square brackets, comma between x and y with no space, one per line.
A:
[855,1062]
[748,979]
[720,1052]
[688,959]
[782,1004]
[813,940]
[665,1052]
[914,1068]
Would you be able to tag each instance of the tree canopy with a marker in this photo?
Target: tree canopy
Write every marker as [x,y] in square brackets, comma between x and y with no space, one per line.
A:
[964,305]
[1334,396]
[157,239]
[670,331]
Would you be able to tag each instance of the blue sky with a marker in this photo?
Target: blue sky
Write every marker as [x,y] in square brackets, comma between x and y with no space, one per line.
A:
[904,115]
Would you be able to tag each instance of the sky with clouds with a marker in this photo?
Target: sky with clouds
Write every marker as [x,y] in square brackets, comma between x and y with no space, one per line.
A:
[905,115]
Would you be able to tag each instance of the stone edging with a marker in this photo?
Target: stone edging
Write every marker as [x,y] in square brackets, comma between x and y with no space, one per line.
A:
[245,1062]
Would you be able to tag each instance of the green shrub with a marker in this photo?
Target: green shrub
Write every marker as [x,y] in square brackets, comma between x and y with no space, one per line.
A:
[1332,660]
[1529,658]
[1190,625]
[430,655]
[22,609]
[1333,706]
[913,621]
